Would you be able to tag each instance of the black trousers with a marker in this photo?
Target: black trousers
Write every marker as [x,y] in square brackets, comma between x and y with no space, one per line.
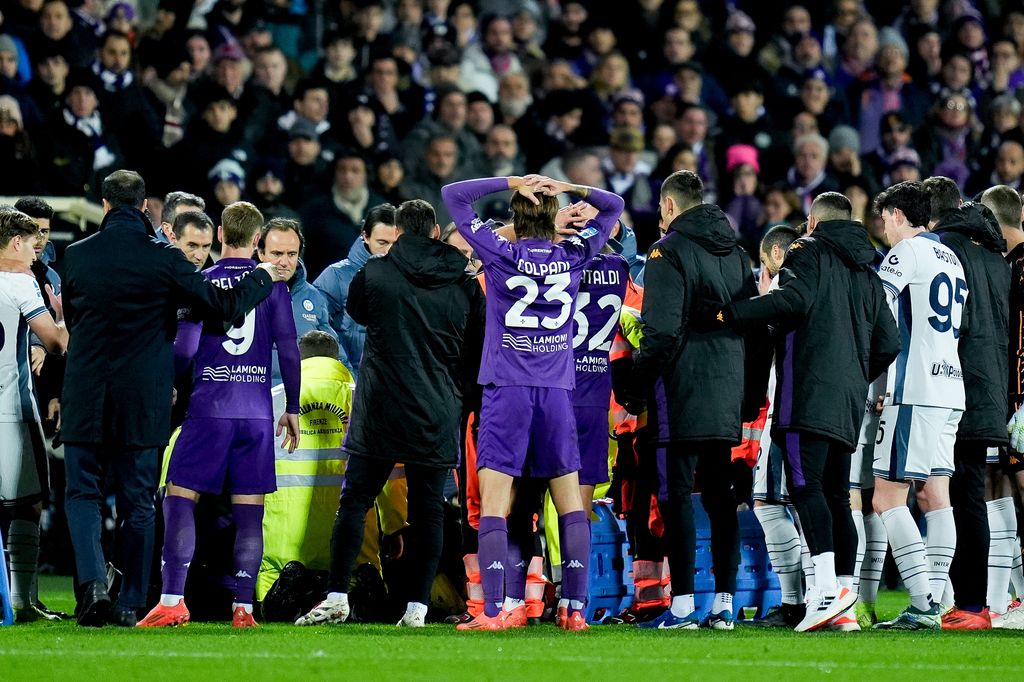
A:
[818,476]
[135,474]
[711,461]
[365,477]
[969,570]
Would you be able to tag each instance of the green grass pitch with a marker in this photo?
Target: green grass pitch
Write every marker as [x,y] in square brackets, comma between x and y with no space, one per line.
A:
[208,653]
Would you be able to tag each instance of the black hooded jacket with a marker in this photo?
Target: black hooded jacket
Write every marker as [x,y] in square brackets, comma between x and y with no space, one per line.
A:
[424,319]
[703,370]
[835,331]
[978,243]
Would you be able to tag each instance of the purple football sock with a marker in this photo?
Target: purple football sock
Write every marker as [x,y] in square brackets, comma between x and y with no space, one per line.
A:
[515,573]
[179,542]
[493,551]
[575,539]
[248,549]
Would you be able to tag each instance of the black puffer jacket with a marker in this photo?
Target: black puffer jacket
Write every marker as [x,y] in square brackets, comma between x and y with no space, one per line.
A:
[835,331]
[703,370]
[424,319]
[978,243]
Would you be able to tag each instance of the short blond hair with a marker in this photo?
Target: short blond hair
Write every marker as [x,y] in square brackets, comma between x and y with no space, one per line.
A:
[241,221]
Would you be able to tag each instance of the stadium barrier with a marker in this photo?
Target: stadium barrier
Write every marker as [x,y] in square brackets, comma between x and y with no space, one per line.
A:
[611,565]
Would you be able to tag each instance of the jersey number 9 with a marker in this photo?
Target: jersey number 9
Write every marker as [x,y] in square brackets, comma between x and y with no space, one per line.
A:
[240,338]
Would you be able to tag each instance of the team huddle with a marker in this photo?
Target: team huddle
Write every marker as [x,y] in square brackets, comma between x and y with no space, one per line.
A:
[869,376]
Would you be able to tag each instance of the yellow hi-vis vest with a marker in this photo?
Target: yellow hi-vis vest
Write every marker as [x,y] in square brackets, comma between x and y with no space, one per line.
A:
[299,517]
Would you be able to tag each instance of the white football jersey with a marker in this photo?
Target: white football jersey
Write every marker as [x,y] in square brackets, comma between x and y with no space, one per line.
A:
[20,301]
[927,290]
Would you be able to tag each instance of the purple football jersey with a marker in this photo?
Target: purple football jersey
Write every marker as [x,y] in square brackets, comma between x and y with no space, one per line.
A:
[594,323]
[232,376]
[531,287]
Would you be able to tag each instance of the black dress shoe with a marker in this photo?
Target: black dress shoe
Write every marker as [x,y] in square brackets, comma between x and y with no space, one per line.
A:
[124,617]
[95,605]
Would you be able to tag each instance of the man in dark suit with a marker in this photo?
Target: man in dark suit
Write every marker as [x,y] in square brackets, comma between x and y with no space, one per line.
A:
[121,291]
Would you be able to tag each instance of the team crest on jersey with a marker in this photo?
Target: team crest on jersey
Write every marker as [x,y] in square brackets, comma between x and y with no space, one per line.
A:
[308,305]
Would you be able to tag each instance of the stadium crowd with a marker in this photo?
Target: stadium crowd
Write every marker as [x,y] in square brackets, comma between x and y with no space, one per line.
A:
[635,173]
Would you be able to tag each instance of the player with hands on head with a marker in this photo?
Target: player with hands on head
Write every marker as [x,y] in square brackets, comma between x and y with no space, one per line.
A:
[526,420]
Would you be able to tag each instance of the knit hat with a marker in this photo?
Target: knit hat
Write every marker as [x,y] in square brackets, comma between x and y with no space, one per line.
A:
[229,50]
[7,44]
[740,154]
[844,137]
[630,95]
[228,170]
[905,156]
[740,22]
[122,8]
[969,15]
[890,36]
[10,108]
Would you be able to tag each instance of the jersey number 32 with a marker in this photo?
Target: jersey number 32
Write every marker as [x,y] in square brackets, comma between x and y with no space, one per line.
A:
[602,338]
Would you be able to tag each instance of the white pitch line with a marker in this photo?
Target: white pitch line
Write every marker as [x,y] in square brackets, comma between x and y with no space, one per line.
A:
[674,661]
